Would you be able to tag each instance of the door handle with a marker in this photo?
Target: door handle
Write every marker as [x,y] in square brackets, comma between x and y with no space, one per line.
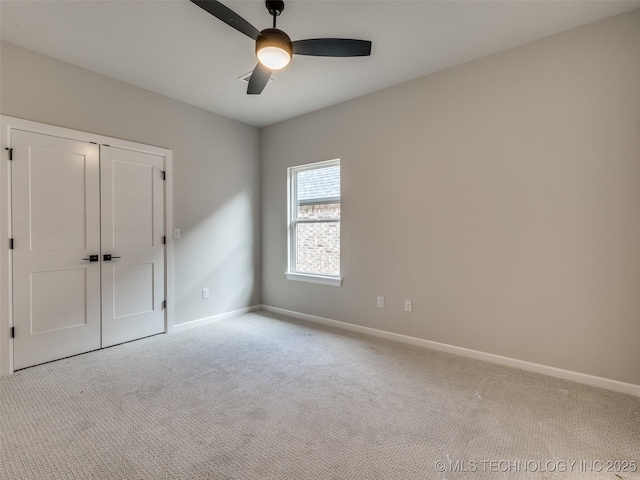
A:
[92,258]
[107,257]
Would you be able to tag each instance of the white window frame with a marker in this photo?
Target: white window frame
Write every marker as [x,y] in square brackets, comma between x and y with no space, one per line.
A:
[292,221]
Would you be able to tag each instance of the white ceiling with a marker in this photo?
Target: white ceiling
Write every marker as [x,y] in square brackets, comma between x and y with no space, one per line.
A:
[175,48]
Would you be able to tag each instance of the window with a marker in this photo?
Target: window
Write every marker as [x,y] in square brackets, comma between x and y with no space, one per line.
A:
[314,223]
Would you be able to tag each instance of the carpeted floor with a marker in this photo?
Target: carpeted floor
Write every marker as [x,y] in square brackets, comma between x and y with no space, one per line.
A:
[265,397]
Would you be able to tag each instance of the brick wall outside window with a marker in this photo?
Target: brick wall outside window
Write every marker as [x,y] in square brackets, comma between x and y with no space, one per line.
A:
[318,244]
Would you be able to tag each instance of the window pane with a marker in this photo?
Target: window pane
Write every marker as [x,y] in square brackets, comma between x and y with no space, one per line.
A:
[318,248]
[318,193]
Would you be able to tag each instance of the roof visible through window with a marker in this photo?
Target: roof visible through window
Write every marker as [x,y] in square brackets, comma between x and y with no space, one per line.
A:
[319,185]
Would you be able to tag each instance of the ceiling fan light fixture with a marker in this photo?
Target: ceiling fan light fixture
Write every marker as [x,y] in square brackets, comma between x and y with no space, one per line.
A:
[273,48]
[274,58]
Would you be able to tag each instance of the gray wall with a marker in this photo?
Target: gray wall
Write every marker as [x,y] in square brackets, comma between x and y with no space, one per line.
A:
[501,196]
[215,160]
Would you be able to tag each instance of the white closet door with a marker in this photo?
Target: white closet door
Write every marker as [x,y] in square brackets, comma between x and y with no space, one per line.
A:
[132,230]
[56,227]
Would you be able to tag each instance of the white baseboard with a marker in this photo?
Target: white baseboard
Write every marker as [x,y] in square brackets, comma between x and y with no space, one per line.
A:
[601,382]
[213,318]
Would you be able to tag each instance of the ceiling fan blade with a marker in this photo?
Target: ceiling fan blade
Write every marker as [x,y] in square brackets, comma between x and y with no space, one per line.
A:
[229,17]
[332,47]
[258,80]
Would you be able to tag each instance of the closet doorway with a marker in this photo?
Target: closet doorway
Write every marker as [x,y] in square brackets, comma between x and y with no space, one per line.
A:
[88,246]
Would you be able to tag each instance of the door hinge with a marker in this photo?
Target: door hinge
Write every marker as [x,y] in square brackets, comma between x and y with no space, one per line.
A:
[164,174]
[13,332]
[164,240]
[11,244]
[164,304]
[10,150]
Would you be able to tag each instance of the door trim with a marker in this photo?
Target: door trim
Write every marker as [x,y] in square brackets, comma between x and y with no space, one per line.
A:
[7,125]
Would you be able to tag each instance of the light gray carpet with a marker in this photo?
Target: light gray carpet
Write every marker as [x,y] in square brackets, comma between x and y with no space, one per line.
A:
[265,397]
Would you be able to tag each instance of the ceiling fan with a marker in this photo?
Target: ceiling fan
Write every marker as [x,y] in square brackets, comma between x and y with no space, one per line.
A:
[274,47]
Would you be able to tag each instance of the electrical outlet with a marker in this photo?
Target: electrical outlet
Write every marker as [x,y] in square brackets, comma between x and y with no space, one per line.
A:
[380,302]
[205,293]
[407,305]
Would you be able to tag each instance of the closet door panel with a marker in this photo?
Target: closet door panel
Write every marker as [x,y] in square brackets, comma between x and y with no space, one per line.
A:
[56,227]
[132,231]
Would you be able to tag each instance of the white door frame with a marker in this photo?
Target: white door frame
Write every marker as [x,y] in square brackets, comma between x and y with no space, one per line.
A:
[7,124]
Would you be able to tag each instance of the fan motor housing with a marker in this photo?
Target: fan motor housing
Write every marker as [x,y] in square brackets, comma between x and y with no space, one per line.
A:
[273,37]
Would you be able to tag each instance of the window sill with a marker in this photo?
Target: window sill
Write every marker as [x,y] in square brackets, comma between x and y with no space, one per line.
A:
[320,279]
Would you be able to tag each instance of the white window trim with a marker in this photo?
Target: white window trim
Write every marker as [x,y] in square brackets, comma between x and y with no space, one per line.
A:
[310,278]
[291,273]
